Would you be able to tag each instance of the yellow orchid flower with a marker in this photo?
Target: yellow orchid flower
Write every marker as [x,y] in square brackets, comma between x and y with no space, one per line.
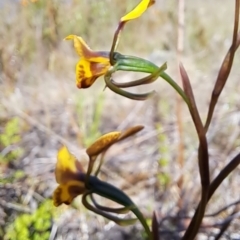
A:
[93,64]
[135,13]
[73,181]
[69,173]
[138,10]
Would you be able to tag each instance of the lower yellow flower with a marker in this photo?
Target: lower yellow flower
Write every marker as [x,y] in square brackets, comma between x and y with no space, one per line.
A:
[69,173]
[65,193]
[70,176]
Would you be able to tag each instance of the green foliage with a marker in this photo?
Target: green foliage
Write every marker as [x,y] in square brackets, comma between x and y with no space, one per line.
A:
[9,140]
[34,226]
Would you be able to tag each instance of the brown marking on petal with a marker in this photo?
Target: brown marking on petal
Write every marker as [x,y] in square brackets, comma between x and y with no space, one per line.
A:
[95,54]
[98,69]
[87,82]
[89,53]
[67,167]
[74,191]
[57,198]
[65,193]
[68,175]
[80,76]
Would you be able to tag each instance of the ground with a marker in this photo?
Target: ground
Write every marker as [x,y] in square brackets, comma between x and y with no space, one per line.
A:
[42,109]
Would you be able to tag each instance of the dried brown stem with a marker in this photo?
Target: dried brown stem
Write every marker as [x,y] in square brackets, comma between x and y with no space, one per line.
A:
[217,182]
[225,68]
[203,157]
[155,227]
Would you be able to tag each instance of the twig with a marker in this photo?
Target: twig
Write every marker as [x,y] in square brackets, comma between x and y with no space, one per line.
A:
[14,206]
[223,209]
[227,222]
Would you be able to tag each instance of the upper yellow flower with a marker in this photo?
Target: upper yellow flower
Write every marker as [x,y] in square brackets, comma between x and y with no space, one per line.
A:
[93,64]
[138,10]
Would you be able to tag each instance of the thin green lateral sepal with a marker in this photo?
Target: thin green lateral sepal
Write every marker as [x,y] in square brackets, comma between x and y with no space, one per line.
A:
[110,192]
[116,89]
[122,210]
[146,80]
[136,64]
[119,221]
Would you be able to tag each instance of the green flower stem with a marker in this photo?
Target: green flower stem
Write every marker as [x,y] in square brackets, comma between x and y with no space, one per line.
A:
[146,80]
[122,210]
[110,192]
[135,64]
[119,221]
[119,91]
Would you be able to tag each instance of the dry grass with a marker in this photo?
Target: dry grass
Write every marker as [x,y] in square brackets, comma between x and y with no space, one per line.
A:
[37,85]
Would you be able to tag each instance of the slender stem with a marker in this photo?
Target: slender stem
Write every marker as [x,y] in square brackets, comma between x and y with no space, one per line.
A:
[121,222]
[110,192]
[179,90]
[122,210]
[145,80]
[135,64]
[225,68]
[203,157]
[133,96]
[115,42]
[215,184]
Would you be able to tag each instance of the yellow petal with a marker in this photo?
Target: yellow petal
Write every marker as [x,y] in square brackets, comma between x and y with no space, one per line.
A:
[83,74]
[87,71]
[65,193]
[80,46]
[138,10]
[67,167]
[102,143]
[130,131]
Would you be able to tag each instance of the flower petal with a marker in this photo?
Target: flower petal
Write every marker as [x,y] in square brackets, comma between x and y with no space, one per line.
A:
[130,131]
[138,10]
[80,46]
[67,167]
[87,71]
[65,193]
[102,143]
[85,51]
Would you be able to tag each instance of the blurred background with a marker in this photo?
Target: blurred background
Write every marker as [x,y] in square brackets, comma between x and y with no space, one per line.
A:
[42,109]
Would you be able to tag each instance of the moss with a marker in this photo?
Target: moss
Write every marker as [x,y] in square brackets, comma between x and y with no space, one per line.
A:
[9,140]
[32,226]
